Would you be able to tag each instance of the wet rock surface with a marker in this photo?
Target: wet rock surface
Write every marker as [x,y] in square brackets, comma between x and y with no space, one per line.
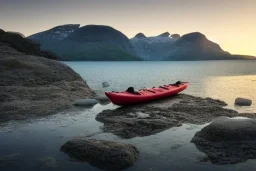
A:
[228,141]
[103,154]
[35,86]
[157,116]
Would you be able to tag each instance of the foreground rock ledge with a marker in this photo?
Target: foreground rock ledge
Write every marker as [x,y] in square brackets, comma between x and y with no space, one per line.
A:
[227,140]
[103,154]
[34,86]
[157,116]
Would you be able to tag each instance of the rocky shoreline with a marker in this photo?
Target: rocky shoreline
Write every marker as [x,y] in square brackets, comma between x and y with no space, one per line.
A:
[33,86]
[157,116]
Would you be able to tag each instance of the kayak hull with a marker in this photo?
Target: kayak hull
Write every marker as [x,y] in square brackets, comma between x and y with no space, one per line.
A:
[126,98]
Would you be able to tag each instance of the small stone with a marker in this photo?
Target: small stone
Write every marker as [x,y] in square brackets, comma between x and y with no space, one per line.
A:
[243,102]
[105,84]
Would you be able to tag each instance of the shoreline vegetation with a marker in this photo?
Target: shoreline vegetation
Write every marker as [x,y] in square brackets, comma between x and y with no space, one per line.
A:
[34,86]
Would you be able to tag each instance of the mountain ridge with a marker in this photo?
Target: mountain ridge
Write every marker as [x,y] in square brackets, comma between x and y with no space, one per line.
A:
[99,42]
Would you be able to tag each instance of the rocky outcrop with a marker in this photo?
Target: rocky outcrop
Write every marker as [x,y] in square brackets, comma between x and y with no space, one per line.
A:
[21,44]
[35,86]
[228,141]
[103,154]
[140,36]
[157,116]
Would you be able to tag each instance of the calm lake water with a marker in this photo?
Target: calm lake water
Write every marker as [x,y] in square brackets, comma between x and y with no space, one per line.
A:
[225,80]
[34,144]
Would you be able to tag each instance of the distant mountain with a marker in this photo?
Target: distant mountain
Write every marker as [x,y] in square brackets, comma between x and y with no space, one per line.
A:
[140,36]
[166,34]
[94,42]
[103,43]
[49,39]
[153,48]
[16,41]
[175,36]
[195,46]
[192,46]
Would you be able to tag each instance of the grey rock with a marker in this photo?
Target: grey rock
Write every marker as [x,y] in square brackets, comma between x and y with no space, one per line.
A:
[86,102]
[105,84]
[243,102]
[35,86]
[103,154]
[227,140]
[150,118]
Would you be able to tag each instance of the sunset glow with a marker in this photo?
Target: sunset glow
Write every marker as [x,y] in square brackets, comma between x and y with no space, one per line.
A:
[230,23]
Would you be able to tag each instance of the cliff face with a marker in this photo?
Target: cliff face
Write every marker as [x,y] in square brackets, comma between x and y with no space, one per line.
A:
[35,86]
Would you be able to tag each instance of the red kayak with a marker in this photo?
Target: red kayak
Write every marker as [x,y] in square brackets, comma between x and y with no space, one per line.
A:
[131,97]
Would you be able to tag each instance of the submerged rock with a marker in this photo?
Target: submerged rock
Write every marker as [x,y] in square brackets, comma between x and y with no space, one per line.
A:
[103,154]
[243,102]
[48,162]
[10,158]
[227,140]
[147,119]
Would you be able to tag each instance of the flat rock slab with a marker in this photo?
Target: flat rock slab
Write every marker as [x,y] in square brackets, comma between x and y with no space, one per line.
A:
[228,141]
[147,119]
[103,154]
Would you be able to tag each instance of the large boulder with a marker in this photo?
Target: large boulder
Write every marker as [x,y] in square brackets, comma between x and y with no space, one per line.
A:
[36,86]
[103,154]
[228,140]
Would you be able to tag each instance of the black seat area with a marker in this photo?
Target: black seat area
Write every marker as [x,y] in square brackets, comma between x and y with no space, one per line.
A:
[131,90]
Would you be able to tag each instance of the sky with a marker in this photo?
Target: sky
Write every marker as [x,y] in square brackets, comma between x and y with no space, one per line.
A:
[230,23]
